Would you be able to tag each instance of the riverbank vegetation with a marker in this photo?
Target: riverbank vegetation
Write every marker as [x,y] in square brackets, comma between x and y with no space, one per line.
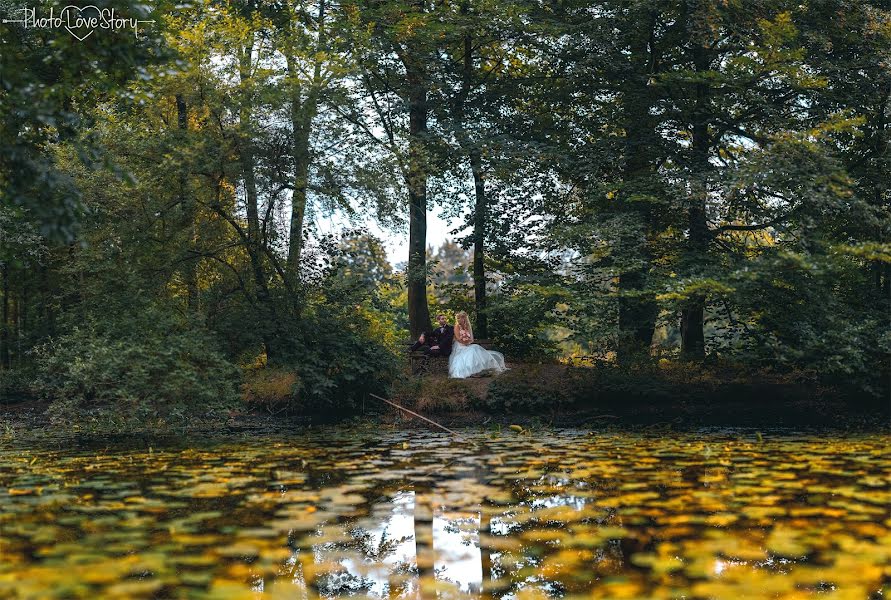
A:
[663,201]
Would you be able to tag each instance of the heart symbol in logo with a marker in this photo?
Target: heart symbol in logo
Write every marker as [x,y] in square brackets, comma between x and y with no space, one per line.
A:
[78,20]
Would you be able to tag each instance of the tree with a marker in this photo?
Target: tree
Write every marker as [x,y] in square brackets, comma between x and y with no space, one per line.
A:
[716,75]
[363,259]
[393,62]
[46,81]
[452,263]
[463,82]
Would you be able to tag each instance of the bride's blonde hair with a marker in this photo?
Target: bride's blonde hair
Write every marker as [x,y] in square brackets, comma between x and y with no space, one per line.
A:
[462,323]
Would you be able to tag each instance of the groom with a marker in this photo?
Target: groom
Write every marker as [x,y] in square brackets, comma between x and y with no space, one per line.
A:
[439,341]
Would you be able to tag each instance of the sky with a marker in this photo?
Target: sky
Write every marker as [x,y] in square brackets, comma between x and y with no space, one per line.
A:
[396,241]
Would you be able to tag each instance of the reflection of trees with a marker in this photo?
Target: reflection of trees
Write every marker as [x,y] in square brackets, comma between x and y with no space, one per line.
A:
[513,556]
[485,551]
[376,551]
[372,550]
[423,526]
[508,571]
[362,546]
[399,579]
[367,547]
[292,569]
[342,582]
[331,559]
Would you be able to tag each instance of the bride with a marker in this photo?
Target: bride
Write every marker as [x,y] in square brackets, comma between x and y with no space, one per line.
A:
[468,358]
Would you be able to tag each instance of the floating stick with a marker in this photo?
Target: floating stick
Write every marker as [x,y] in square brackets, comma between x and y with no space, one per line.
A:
[432,422]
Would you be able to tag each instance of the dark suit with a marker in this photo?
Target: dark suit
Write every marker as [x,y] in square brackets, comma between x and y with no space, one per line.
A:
[442,337]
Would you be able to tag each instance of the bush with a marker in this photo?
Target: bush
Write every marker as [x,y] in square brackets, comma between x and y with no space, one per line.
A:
[135,371]
[274,390]
[16,384]
[815,311]
[532,389]
[340,352]
[550,388]
[435,395]
[522,320]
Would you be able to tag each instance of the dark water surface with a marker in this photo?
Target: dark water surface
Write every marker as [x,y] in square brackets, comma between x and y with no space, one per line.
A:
[410,514]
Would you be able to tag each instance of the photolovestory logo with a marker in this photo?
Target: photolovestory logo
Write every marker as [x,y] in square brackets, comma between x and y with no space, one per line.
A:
[79,21]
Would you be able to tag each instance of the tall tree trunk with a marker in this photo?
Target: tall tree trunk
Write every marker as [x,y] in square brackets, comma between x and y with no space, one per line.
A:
[254,240]
[485,552]
[49,315]
[418,310]
[22,306]
[300,148]
[4,316]
[423,526]
[883,271]
[16,316]
[637,307]
[479,186]
[303,111]
[693,314]
[189,213]
[883,275]
[479,237]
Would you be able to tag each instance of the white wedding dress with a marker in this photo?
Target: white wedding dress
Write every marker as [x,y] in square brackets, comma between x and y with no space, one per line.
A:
[466,360]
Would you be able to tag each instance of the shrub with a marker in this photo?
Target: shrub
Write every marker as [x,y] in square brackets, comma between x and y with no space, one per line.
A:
[272,389]
[340,353]
[532,389]
[16,384]
[522,320]
[134,371]
[435,395]
[815,311]
[547,389]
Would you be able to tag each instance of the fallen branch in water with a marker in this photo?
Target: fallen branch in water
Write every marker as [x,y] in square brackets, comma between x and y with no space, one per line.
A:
[411,412]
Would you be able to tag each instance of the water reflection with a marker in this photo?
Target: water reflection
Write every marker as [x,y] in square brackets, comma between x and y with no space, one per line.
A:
[416,515]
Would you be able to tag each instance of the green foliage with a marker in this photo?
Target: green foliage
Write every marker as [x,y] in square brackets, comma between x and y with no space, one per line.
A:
[521,320]
[342,348]
[362,259]
[134,371]
[17,384]
[718,166]
[450,264]
[271,389]
[50,80]
[644,387]
[809,316]
[529,388]
[435,395]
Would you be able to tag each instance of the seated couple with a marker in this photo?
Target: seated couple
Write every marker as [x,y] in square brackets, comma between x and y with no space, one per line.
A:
[465,357]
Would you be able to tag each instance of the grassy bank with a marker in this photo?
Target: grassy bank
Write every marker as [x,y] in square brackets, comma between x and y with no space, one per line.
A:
[674,394]
[688,394]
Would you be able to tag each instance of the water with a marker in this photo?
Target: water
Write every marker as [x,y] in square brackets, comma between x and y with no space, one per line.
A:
[364,512]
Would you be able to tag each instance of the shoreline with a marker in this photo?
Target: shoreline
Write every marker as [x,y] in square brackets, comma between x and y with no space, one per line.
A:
[26,421]
[536,395]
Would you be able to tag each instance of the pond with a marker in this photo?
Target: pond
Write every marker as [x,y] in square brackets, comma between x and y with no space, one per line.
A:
[383,513]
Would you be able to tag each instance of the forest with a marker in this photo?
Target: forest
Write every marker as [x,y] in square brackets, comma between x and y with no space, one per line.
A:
[647,189]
